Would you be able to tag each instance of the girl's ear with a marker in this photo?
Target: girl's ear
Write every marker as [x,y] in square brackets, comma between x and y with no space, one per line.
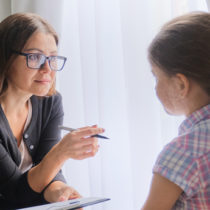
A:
[183,85]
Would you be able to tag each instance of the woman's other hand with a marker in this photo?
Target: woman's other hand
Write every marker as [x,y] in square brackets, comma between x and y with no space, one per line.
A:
[59,191]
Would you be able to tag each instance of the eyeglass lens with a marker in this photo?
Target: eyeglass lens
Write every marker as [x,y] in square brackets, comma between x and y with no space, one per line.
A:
[36,61]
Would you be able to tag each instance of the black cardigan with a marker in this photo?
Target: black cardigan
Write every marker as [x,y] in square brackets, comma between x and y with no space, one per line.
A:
[41,134]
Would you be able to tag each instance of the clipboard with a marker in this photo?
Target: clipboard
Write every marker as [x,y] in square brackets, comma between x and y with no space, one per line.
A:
[70,204]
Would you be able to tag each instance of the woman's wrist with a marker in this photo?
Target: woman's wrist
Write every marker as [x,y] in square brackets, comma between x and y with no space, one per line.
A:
[52,191]
[60,152]
[59,191]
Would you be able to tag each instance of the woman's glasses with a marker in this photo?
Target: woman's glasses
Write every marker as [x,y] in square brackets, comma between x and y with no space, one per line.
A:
[37,60]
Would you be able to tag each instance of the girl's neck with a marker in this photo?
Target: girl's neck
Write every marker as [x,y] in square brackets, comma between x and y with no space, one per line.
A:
[198,101]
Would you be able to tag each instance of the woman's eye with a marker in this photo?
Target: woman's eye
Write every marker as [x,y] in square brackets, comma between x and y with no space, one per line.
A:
[53,58]
[35,57]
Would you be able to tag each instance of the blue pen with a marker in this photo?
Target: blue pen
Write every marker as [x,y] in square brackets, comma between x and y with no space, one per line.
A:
[73,129]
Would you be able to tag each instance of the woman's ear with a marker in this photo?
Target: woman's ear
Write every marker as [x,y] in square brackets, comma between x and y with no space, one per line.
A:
[182,84]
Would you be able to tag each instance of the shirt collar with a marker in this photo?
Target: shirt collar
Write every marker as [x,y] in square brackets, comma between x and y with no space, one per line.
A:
[195,118]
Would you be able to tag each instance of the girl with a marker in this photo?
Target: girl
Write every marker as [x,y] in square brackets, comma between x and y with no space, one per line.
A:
[180,61]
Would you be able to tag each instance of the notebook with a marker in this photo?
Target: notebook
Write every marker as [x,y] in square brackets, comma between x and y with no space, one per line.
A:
[70,204]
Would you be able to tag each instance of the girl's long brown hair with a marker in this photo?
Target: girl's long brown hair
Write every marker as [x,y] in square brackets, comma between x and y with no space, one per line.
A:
[183,46]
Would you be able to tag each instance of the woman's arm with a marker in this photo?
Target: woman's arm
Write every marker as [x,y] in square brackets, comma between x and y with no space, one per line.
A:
[163,194]
[74,145]
[48,154]
[52,152]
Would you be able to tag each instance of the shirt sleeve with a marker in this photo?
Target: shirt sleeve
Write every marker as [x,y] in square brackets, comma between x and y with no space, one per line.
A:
[178,165]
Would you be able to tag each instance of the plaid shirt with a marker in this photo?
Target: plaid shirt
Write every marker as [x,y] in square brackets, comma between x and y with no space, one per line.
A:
[186,161]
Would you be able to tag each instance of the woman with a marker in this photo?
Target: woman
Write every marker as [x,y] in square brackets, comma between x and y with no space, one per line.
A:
[179,57]
[31,153]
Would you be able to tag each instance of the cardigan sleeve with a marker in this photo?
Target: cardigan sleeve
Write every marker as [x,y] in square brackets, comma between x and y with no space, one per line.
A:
[13,184]
[44,135]
[50,132]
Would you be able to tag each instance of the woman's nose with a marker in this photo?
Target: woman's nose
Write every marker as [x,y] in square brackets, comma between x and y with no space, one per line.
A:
[45,66]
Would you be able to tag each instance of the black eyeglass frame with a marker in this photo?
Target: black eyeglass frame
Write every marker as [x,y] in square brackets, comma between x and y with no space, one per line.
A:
[46,58]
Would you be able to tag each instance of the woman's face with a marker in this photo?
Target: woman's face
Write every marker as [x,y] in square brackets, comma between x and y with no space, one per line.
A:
[24,80]
[166,90]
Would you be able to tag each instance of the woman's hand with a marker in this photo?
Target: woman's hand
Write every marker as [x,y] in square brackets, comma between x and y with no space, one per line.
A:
[79,144]
[59,191]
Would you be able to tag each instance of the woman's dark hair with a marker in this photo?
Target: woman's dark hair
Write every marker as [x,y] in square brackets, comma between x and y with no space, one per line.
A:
[15,30]
[183,46]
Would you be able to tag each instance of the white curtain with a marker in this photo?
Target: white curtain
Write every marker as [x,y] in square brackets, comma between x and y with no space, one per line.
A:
[107,81]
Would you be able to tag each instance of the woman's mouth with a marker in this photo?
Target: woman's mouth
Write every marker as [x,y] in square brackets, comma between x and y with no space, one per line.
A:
[43,81]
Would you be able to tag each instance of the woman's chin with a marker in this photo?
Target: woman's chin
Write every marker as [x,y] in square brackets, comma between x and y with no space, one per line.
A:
[41,93]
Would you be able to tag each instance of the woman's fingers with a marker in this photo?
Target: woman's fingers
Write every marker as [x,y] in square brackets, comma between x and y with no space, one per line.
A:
[80,143]
[84,156]
[82,128]
[82,148]
[69,193]
[90,131]
[88,141]
[89,148]
[74,194]
[87,151]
